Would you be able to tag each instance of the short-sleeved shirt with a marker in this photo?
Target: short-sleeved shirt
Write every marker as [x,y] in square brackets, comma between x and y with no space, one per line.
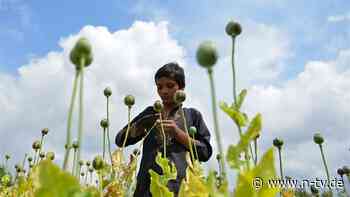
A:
[176,152]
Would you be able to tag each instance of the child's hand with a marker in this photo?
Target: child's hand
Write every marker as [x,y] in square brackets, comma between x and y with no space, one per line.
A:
[169,126]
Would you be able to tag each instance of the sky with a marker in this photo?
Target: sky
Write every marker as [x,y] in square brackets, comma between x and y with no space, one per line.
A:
[292,57]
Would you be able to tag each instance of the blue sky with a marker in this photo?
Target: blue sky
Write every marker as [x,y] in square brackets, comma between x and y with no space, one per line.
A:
[32,28]
[292,56]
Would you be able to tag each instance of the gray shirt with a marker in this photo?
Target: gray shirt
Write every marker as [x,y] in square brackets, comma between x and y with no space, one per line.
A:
[176,152]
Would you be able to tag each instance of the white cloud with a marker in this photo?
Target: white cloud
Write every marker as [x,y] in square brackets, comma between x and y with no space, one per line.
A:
[339,18]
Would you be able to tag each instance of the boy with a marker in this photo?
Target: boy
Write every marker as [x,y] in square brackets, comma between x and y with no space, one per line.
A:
[168,79]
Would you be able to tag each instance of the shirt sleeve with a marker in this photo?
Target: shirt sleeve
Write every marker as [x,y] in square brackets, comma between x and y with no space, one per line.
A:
[204,149]
[119,139]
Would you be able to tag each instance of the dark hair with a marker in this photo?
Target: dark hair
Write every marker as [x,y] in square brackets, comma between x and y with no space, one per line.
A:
[173,71]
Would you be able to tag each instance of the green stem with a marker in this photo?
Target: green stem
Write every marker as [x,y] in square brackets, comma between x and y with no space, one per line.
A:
[164,140]
[24,159]
[325,166]
[189,136]
[256,150]
[233,70]
[246,154]
[81,110]
[104,143]
[280,158]
[41,143]
[127,130]
[69,122]
[74,161]
[216,126]
[100,183]
[108,138]
[195,150]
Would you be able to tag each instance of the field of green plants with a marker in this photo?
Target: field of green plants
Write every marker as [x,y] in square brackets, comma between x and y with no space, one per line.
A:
[113,172]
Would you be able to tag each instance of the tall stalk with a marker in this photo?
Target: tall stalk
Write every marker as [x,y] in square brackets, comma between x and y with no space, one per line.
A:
[68,144]
[189,136]
[108,139]
[216,125]
[127,130]
[325,166]
[81,110]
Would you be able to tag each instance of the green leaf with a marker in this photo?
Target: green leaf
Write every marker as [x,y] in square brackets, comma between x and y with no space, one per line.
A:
[234,152]
[264,171]
[238,117]
[159,183]
[241,98]
[214,191]
[193,185]
[51,181]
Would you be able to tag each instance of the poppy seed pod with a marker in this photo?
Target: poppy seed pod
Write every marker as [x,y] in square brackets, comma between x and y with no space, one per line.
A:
[75,145]
[158,106]
[91,169]
[192,131]
[346,170]
[45,131]
[206,54]
[129,100]
[82,49]
[104,123]
[36,145]
[107,92]
[16,166]
[318,139]
[82,174]
[88,163]
[81,162]
[218,157]
[41,155]
[30,159]
[278,142]
[7,157]
[50,155]
[340,171]
[97,163]
[179,96]
[19,169]
[233,28]
[6,180]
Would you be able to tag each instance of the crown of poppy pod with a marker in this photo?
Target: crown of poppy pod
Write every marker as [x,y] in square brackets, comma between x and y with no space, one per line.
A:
[75,145]
[91,169]
[36,145]
[97,163]
[41,154]
[7,157]
[206,54]
[129,100]
[104,123]
[277,142]
[45,131]
[233,28]
[340,171]
[318,139]
[179,96]
[158,106]
[88,163]
[30,159]
[81,162]
[107,92]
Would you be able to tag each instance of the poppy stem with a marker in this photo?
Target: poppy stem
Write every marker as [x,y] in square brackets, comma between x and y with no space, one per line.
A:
[325,166]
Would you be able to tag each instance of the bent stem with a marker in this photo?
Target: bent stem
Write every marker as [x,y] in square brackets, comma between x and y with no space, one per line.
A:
[189,136]
[69,123]
[127,130]
[81,105]
[216,126]
[325,166]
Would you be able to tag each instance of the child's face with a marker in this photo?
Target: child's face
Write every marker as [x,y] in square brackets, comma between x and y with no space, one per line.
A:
[166,88]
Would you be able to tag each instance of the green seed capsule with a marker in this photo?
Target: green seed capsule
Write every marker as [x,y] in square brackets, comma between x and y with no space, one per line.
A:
[277,142]
[19,169]
[158,106]
[36,145]
[82,49]
[41,155]
[192,131]
[346,170]
[50,155]
[75,145]
[233,28]
[7,157]
[91,169]
[16,166]
[6,180]
[104,123]
[207,54]
[30,159]
[318,139]
[81,162]
[218,157]
[107,92]
[129,100]
[45,131]
[82,174]
[98,163]
[88,163]
[179,97]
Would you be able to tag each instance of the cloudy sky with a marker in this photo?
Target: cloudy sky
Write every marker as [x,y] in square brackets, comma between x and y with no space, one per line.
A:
[292,56]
